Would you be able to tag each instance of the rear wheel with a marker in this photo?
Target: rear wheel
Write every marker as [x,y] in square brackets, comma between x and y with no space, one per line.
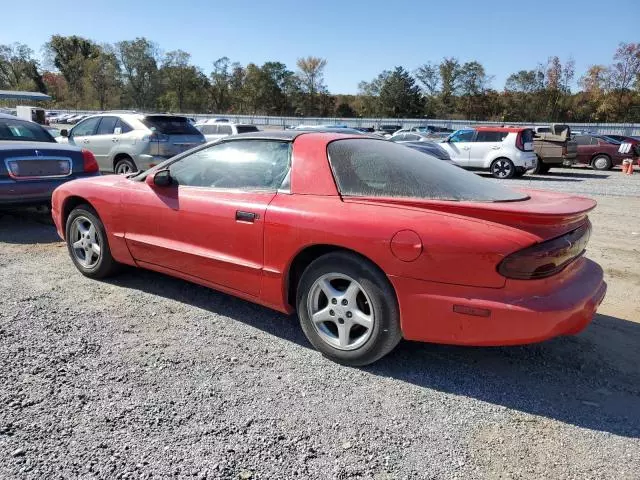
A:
[601,162]
[124,166]
[87,243]
[541,168]
[348,309]
[503,168]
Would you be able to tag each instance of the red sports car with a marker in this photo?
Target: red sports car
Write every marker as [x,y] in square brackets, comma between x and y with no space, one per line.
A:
[369,241]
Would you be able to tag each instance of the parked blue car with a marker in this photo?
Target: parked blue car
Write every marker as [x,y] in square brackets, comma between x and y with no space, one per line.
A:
[33,164]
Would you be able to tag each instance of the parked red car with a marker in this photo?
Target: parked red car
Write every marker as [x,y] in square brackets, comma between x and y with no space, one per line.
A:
[601,152]
[367,240]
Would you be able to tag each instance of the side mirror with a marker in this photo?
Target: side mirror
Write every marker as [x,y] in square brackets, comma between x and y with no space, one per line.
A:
[161,178]
[64,132]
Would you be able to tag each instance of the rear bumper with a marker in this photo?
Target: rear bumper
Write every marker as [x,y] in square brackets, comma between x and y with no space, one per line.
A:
[521,312]
[31,192]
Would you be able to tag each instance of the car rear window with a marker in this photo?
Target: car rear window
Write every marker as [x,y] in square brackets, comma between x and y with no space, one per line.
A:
[170,125]
[246,128]
[378,168]
[23,131]
[527,135]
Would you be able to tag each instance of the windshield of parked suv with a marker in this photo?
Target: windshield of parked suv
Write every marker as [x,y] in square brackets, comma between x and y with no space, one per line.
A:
[170,125]
[378,168]
[22,130]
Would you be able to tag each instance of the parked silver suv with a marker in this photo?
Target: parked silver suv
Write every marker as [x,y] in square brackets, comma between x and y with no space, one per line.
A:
[128,142]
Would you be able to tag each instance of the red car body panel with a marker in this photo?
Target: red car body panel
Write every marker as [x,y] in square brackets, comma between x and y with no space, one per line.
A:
[436,254]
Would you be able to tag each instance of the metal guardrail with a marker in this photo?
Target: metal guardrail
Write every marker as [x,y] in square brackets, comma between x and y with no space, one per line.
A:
[283,122]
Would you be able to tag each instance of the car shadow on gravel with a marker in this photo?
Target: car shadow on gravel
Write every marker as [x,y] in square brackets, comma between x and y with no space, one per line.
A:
[591,380]
[27,226]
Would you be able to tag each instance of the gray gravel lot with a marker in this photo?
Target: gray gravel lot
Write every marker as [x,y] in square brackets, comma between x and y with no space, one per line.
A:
[145,376]
[583,180]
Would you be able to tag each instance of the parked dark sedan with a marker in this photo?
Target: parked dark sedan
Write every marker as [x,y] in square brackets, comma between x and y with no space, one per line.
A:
[33,164]
[601,152]
[430,148]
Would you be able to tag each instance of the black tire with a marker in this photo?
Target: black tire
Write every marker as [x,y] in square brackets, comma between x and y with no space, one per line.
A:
[105,265]
[541,168]
[502,168]
[385,332]
[124,165]
[601,162]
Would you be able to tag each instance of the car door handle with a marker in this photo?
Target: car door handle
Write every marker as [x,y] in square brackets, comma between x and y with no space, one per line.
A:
[496,147]
[245,216]
[466,148]
[86,140]
[114,139]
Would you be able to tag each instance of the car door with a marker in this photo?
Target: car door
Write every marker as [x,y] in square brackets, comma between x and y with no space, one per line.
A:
[585,148]
[485,147]
[458,145]
[81,135]
[103,141]
[209,224]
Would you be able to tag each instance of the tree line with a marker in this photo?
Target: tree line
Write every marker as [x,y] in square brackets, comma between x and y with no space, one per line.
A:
[79,73]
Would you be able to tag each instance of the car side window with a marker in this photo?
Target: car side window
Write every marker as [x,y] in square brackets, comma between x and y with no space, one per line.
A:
[86,127]
[209,129]
[412,137]
[462,136]
[594,141]
[583,140]
[123,126]
[244,164]
[490,136]
[107,126]
[225,129]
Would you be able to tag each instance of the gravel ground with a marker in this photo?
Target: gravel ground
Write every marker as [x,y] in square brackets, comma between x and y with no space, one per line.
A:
[145,376]
[583,180]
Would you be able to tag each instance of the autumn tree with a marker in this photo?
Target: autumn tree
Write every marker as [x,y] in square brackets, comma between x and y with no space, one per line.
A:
[311,75]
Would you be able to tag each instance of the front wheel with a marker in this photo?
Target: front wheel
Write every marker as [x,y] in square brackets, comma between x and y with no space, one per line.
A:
[348,309]
[503,168]
[87,243]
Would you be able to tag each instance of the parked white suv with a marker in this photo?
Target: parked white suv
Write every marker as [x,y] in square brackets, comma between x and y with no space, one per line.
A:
[214,130]
[128,142]
[506,152]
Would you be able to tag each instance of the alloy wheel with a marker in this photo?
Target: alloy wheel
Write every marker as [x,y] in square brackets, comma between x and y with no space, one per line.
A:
[123,168]
[502,168]
[341,311]
[86,242]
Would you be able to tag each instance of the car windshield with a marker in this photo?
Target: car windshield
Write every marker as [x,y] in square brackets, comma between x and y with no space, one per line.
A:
[170,125]
[22,130]
[246,128]
[377,168]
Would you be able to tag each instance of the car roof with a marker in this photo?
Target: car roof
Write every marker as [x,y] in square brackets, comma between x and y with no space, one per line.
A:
[501,129]
[288,135]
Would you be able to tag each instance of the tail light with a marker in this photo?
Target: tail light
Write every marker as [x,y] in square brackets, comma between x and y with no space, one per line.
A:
[89,161]
[519,142]
[546,258]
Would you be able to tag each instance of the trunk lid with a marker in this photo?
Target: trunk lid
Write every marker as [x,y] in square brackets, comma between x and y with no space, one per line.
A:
[39,160]
[544,214]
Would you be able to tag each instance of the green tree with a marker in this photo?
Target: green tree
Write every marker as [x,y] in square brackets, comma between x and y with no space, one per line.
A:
[103,74]
[220,90]
[139,62]
[70,55]
[180,81]
[400,96]
[19,70]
